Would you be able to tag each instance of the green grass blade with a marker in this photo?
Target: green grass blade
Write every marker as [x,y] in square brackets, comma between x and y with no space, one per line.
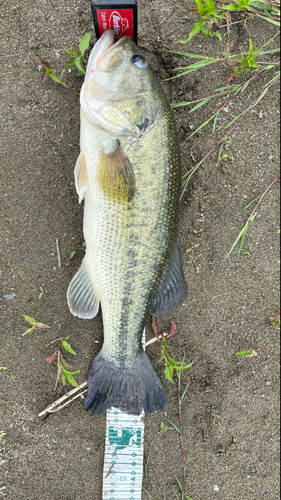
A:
[215,122]
[235,243]
[202,103]
[175,427]
[188,458]
[234,119]
[272,21]
[179,483]
[261,97]
[184,393]
[242,239]
[199,128]
[275,78]
[175,493]
[187,54]
[249,204]
[247,83]
[228,87]
[179,104]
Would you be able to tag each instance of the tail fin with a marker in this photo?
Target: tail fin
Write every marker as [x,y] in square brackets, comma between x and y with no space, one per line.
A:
[132,389]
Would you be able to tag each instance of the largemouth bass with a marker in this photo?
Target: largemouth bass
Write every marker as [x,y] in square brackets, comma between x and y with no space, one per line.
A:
[128,172]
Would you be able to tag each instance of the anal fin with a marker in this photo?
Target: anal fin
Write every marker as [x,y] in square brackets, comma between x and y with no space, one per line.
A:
[172,290]
[81,296]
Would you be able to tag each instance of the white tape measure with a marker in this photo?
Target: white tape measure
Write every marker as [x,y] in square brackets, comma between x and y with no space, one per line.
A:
[123,461]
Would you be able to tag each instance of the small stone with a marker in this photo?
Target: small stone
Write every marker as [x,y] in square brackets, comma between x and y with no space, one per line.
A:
[226,109]
[9,296]
[268,383]
[216,488]
[260,114]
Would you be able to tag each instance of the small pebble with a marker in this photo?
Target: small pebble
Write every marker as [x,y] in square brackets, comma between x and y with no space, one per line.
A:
[260,114]
[9,296]
[216,488]
[226,109]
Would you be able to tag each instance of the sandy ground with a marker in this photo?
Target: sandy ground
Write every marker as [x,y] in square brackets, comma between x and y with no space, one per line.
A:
[228,303]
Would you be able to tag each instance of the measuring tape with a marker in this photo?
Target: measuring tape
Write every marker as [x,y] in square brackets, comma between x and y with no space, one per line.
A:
[123,460]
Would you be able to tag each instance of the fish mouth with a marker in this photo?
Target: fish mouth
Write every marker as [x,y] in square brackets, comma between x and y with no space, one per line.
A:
[106,53]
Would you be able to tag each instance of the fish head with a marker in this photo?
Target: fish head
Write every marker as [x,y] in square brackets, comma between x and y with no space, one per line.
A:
[120,94]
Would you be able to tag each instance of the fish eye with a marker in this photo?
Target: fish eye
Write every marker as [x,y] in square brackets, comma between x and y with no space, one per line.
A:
[139,61]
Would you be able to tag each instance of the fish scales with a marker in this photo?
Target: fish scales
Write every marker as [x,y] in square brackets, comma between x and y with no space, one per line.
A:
[130,179]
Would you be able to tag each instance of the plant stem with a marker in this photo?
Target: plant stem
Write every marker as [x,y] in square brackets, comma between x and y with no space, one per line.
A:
[181,434]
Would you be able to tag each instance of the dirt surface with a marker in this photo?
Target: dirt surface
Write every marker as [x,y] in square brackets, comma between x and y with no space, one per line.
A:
[227,305]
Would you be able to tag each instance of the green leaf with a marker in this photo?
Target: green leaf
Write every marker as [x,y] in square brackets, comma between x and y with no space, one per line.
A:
[184,393]
[243,4]
[70,64]
[235,243]
[189,250]
[247,352]
[70,53]
[230,7]
[63,378]
[169,372]
[66,372]
[67,346]
[202,103]
[201,8]
[218,35]
[78,65]
[199,128]
[207,32]
[3,368]
[234,119]
[261,96]
[28,331]
[242,238]
[71,380]
[188,458]
[32,321]
[196,28]
[179,483]
[72,255]
[175,427]
[57,79]
[85,42]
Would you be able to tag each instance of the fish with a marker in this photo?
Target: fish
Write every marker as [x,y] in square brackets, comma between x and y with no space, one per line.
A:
[129,175]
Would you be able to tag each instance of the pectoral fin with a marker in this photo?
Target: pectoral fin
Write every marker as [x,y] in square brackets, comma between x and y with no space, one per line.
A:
[81,296]
[172,289]
[115,175]
[81,180]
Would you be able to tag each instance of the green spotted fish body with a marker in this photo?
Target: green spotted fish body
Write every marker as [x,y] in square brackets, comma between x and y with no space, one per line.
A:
[128,172]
